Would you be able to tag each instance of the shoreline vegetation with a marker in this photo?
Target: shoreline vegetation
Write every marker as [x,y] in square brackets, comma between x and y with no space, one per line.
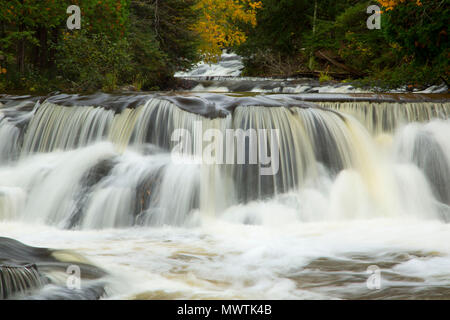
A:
[138,45]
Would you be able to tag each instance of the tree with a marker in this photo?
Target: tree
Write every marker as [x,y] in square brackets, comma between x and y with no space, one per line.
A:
[220,23]
[279,44]
[419,29]
[25,24]
[391,4]
[120,42]
[162,40]
[419,32]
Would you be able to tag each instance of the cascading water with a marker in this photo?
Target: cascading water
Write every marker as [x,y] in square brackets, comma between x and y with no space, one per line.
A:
[226,76]
[357,183]
[64,145]
[384,117]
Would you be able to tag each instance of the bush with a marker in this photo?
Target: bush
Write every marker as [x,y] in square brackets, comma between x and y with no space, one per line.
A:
[92,61]
[420,35]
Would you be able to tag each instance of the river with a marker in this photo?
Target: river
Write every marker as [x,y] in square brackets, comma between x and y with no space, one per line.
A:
[362,189]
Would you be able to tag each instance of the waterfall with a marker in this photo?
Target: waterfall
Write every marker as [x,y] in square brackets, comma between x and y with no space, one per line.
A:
[16,280]
[13,119]
[229,65]
[54,127]
[81,166]
[428,147]
[385,117]
[196,194]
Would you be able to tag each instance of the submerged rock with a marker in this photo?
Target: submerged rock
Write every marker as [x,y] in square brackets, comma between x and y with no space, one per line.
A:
[39,273]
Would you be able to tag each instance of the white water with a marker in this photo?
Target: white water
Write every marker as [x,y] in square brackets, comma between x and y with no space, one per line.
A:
[229,65]
[315,241]
[229,260]
[224,76]
[277,86]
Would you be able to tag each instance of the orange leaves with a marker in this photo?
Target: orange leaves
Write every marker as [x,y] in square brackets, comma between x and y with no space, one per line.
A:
[391,4]
[218,24]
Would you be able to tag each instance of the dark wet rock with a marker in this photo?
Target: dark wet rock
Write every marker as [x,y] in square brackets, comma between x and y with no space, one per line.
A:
[25,269]
[108,101]
[429,156]
[19,279]
[94,291]
[213,105]
[94,176]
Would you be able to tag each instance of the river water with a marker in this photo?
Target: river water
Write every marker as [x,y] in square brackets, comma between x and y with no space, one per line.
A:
[363,185]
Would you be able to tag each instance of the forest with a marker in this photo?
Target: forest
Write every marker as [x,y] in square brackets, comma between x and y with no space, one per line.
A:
[140,44]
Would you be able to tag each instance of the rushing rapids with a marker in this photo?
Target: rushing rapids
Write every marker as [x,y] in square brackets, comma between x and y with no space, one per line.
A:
[104,162]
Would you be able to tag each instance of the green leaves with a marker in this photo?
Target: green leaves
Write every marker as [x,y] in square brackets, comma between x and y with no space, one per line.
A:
[94,61]
[140,42]
[421,31]
[413,36]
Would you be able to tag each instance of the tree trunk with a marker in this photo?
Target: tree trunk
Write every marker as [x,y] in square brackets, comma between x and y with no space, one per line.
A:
[314,34]
[43,48]
[52,51]
[338,64]
[21,52]
[156,19]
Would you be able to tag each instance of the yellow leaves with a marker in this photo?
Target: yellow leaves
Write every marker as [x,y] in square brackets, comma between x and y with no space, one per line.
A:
[255,5]
[218,24]
[3,70]
[391,4]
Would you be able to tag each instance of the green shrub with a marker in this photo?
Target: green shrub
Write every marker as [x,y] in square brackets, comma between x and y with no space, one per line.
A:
[93,61]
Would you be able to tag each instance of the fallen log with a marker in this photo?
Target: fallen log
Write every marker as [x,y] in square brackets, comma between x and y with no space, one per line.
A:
[333,60]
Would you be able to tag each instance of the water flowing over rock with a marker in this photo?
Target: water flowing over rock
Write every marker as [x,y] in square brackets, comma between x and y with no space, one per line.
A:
[104,163]
[28,272]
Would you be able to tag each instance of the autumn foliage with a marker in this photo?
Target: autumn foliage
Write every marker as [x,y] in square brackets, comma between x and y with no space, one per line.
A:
[391,4]
[144,42]
[218,25]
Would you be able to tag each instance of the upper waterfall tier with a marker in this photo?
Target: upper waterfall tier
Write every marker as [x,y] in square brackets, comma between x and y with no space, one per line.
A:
[229,65]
